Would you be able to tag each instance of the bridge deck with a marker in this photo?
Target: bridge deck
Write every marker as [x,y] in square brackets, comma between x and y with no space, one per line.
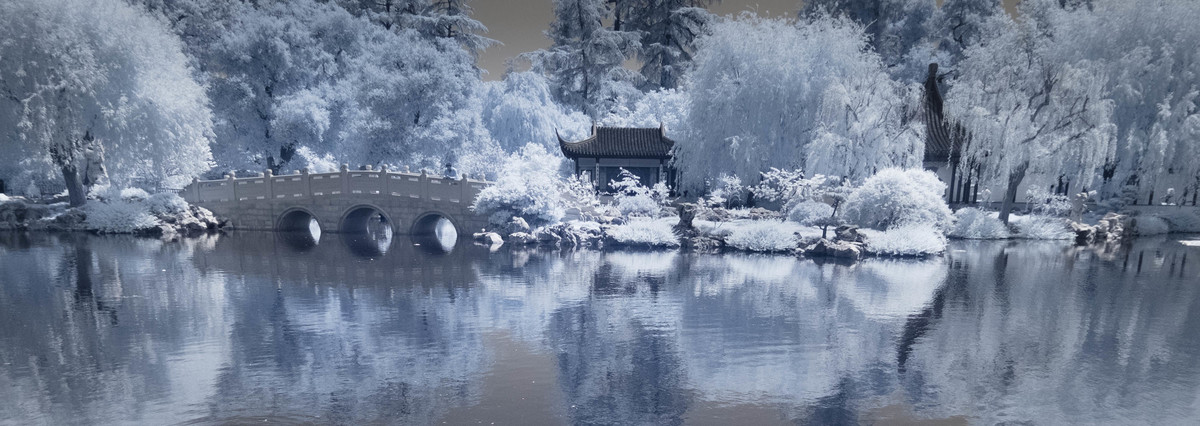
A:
[258,202]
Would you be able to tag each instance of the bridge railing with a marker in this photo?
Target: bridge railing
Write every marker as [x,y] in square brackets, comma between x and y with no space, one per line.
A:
[350,183]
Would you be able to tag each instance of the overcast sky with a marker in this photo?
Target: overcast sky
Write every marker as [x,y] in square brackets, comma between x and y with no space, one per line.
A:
[519,24]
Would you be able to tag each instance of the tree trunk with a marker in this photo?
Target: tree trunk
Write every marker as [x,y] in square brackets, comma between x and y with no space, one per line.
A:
[76,192]
[1010,194]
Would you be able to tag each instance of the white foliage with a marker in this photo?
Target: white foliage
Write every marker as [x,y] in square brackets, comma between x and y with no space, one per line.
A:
[762,236]
[811,213]
[116,216]
[316,163]
[772,93]
[978,224]
[1030,112]
[645,232]
[1042,227]
[667,108]
[521,109]
[634,199]
[71,70]
[895,197]
[907,240]
[529,187]
[166,203]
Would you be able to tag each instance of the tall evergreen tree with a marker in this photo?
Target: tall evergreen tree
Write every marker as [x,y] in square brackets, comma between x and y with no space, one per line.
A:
[585,63]
[668,30]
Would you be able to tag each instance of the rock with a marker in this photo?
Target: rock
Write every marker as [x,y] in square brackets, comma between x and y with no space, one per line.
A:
[848,233]
[518,224]
[1115,227]
[521,238]
[1084,234]
[834,249]
[549,234]
[488,238]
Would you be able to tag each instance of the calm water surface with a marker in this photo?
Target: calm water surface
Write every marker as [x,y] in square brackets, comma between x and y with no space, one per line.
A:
[260,327]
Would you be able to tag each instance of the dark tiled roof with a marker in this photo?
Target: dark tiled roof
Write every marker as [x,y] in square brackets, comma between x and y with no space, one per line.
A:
[943,140]
[620,142]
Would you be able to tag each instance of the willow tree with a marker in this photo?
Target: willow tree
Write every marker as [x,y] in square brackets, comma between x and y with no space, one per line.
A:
[1030,112]
[81,78]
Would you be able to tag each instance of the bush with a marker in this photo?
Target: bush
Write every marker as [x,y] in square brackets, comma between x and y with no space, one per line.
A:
[1042,227]
[119,216]
[634,199]
[978,224]
[762,236]
[810,213]
[166,203]
[648,232]
[896,197]
[919,239]
[528,186]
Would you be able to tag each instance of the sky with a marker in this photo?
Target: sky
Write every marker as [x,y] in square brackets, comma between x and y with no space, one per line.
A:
[519,24]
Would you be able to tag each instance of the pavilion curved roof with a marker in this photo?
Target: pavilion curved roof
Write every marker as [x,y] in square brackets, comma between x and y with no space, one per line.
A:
[620,142]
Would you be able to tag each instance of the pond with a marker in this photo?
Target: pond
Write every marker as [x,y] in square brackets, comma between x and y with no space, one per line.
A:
[254,327]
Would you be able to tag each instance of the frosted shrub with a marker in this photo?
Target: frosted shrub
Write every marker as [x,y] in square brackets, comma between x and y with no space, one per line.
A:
[1043,202]
[314,162]
[726,190]
[1042,227]
[762,236]
[907,240]
[634,199]
[899,196]
[166,203]
[528,187]
[810,213]
[119,216]
[645,232]
[978,224]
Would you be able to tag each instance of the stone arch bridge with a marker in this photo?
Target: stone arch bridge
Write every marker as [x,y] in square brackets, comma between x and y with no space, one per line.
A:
[345,201]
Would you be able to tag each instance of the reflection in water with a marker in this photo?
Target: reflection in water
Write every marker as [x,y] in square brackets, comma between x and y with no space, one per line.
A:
[241,328]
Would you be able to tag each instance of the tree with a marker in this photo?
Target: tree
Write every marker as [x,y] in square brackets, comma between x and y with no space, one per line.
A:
[770,93]
[1027,110]
[449,19]
[894,27]
[585,63]
[1147,51]
[88,84]
[669,29]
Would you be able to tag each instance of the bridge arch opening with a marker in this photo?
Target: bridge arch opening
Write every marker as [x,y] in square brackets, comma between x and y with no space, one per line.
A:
[299,229]
[367,230]
[435,231]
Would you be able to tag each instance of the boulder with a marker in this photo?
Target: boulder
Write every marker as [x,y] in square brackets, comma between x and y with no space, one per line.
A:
[488,238]
[517,224]
[1084,234]
[848,233]
[1115,227]
[521,238]
[834,249]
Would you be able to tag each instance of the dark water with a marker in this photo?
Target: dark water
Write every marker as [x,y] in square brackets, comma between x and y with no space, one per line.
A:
[256,328]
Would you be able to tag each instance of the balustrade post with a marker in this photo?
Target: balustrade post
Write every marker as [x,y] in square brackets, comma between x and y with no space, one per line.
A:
[269,177]
[307,189]
[424,184]
[345,178]
[233,183]
[383,173]
[196,190]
